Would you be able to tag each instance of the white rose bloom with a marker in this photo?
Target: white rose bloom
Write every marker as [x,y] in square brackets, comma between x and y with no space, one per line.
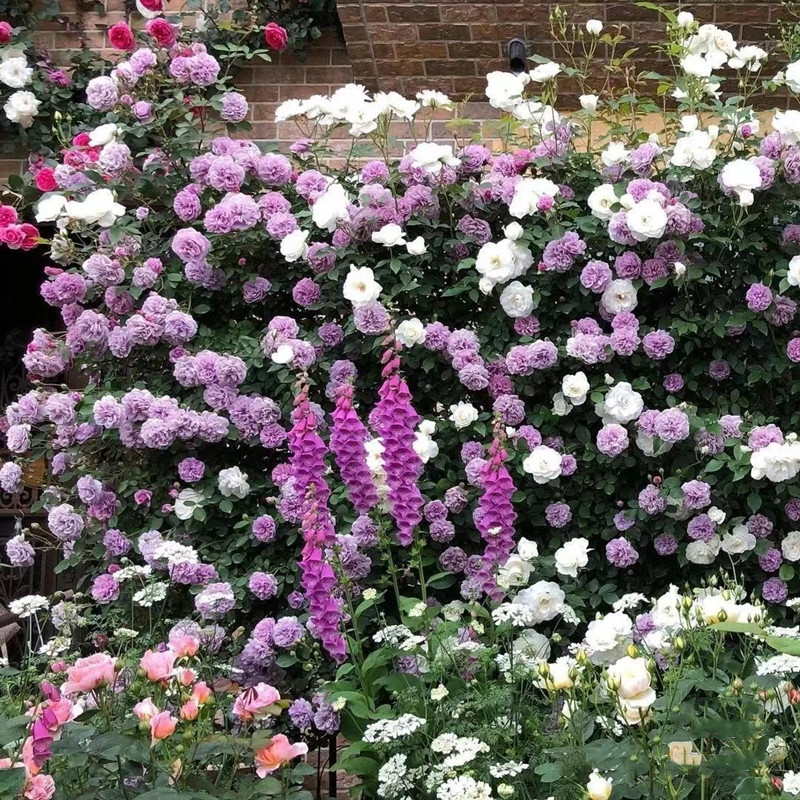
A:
[748,57]
[432,157]
[703,552]
[527,549]
[513,231]
[620,295]
[330,207]
[545,72]
[615,153]
[103,134]
[410,332]
[594,27]
[186,502]
[283,354]
[607,638]
[696,65]
[417,247]
[544,601]
[433,99]
[289,109]
[632,674]
[232,482]
[515,572]
[601,200]
[787,124]
[374,448]
[360,286]
[791,76]
[97,208]
[589,102]
[21,107]
[485,286]
[572,556]
[790,546]
[561,406]
[738,541]
[740,176]
[646,220]
[598,787]
[694,150]
[777,462]
[621,404]
[391,235]
[575,388]
[716,515]
[50,207]
[543,463]
[425,447]
[496,261]
[395,103]
[295,246]
[15,72]
[527,194]
[793,276]
[463,414]
[517,300]
[504,90]
[685,19]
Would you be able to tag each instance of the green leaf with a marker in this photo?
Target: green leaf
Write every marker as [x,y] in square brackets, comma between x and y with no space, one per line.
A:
[11,782]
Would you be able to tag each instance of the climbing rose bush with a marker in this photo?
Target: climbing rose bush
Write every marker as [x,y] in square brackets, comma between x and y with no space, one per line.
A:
[322,395]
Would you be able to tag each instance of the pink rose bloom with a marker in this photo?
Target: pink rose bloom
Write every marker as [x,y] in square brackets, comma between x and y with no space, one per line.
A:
[186,677]
[190,710]
[279,752]
[184,646]
[201,693]
[157,666]
[142,497]
[40,787]
[162,725]
[87,674]
[256,702]
[145,709]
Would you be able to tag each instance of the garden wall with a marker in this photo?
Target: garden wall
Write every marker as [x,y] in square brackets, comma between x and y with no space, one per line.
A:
[405,45]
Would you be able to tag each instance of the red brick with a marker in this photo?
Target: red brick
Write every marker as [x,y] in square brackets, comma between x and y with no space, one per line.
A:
[450,66]
[416,12]
[394,33]
[420,50]
[445,33]
[474,49]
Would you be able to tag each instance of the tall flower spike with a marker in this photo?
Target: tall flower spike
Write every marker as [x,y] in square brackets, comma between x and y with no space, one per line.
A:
[317,576]
[348,436]
[395,421]
[495,515]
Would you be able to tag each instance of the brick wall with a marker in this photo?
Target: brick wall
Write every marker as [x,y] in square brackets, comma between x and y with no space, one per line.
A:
[406,45]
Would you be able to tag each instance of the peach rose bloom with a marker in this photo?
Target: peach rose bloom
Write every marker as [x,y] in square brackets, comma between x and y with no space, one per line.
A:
[184,646]
[157,666]
[145,710]
[186,677]
[40,787]
[256,702]
[190,710]
[280,751]
[201,693]
[86,674]
[162,725]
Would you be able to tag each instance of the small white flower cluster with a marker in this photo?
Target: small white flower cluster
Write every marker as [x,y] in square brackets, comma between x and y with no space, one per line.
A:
[781,664]
[393,777]
[458,750]
[388,730]
[29,606]
[399,636]
[464,788]
[151,594]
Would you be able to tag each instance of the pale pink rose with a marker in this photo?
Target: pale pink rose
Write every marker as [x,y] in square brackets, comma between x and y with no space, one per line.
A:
[280,751]
[256,702]
[184,646]
[40,787]
[162,725]
[157,666]
[145,710]
[87,674]
[186,677]
[189,710]
[201,693]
